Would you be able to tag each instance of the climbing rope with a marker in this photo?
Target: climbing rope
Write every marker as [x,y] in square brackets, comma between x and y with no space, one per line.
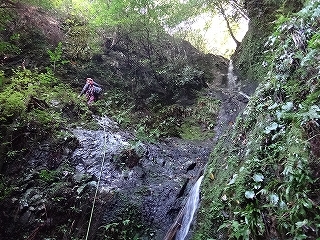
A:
[97,188]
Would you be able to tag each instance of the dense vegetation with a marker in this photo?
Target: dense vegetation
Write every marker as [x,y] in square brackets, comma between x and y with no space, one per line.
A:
[152,87]
[145,73]
[263,182]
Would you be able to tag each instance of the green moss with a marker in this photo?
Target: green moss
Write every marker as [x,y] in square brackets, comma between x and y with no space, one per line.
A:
[48,176]
[191,132]
[200,119]
[13,105]
[34,106]
[249,57]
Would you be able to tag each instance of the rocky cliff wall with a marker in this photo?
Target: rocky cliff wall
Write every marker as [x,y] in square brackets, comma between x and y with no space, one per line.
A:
[248,57]
[262,179]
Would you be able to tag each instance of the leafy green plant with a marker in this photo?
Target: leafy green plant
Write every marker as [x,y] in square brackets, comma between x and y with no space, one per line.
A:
[48,176]
[5,189]
[13,104]
[189,75]
[237,230]
[199,121]
[6,47]
[314,42]
[30,107]
[56,56]
[144,134]
[122,229]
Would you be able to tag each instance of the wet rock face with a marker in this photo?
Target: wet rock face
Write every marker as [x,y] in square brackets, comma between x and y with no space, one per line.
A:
[149,182]
[141,187]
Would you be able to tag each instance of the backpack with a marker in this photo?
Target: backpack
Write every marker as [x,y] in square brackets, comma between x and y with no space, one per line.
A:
[97,90]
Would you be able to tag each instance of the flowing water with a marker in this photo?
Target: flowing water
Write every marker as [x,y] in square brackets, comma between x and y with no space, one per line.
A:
[190,209]
[232,81]
[232,78]
[151,186]
[230,108]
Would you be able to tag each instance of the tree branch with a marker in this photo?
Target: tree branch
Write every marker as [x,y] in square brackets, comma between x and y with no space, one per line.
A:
[223,13]
[240,9]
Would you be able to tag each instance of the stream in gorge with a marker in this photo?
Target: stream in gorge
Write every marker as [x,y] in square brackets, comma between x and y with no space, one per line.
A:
[233,101]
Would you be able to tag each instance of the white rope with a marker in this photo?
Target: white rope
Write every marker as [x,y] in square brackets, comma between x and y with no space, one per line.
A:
[95,195]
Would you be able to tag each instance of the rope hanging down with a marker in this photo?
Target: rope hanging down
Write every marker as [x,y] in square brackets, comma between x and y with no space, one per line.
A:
[101,168]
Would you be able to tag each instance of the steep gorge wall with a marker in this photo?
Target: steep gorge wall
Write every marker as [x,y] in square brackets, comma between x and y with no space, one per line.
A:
[248,58]
[262,179]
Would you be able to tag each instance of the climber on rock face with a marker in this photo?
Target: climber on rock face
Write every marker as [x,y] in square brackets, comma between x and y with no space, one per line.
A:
[92,90]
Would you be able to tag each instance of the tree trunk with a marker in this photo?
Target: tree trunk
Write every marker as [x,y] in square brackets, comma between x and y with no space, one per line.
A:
[223,13]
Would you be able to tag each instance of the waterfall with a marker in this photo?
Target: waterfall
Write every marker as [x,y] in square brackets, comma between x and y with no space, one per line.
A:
[232,81]
[231,77]
[190,209]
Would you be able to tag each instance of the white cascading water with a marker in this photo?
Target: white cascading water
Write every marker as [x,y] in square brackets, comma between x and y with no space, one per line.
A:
[231,77]
[190,209]
[232,81]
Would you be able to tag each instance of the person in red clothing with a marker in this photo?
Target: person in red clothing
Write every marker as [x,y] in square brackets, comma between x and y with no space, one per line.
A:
[92,90]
